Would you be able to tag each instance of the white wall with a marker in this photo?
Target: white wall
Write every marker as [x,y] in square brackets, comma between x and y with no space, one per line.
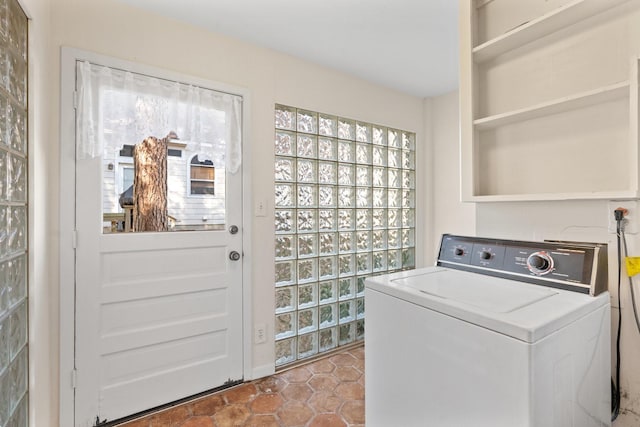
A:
[43,297]
[111,28]
[448,213]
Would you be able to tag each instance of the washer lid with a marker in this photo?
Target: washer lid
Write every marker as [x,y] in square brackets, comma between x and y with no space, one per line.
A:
[484,292]
[521,310]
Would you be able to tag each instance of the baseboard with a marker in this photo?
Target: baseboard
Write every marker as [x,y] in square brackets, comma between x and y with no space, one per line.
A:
[260,372]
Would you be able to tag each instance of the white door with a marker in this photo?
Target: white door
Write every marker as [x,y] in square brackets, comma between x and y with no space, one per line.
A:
[158,314]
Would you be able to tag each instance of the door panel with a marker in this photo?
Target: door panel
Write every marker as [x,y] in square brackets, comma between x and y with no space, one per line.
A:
[158,314]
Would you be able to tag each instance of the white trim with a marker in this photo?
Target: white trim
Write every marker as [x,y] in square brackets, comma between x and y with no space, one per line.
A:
[423,208]
[23,5]
[69,56]
[34,400]
[263,371]
[176,144]
[67,226]
[247,237]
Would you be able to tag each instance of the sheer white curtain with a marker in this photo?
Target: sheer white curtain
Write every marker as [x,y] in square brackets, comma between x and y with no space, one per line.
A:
[118,107]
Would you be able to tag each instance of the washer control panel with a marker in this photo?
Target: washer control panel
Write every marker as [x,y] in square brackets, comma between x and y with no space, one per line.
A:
[576,266]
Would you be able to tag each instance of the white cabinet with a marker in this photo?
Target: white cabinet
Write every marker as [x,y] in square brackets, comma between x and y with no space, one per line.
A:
[549,99]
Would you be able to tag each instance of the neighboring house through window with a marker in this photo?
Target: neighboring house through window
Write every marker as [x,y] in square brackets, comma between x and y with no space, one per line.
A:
[202,173]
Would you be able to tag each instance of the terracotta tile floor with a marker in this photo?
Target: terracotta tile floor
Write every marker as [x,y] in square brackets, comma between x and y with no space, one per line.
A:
[326,393]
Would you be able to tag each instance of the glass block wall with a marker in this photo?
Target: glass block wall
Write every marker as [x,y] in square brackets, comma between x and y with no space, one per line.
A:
[13,215]
[344,210]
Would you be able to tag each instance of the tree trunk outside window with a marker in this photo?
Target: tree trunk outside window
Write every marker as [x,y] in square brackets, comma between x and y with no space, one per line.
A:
[150,185]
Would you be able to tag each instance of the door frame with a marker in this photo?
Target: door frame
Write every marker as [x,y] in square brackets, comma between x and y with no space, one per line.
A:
[69,56]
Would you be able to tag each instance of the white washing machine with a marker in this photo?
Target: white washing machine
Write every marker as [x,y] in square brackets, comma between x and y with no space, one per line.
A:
[498,334]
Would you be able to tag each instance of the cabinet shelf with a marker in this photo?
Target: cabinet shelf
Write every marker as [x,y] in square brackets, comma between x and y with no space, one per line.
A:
[580,100]
[549,23]
[532,197]
[581,141]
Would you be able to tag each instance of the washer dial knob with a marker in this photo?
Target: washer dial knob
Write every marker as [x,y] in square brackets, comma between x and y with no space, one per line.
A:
[458,251]
[540,263]
[486,255]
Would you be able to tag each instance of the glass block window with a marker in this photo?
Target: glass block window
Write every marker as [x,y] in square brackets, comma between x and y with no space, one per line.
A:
[344,211]
[13,215]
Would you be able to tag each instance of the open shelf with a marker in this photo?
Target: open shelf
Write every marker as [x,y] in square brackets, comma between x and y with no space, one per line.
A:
[559,121]
[598,195]
[580,100]
[549,23]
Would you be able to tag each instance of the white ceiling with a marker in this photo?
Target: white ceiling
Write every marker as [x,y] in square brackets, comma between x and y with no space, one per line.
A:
[408,45]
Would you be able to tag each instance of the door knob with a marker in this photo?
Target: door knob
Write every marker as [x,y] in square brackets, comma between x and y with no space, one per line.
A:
[233,229]
[234,255]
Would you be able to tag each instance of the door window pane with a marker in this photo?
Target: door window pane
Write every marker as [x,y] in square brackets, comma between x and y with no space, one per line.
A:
[190,192]
[195,188]
[171,143]
[341,205]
